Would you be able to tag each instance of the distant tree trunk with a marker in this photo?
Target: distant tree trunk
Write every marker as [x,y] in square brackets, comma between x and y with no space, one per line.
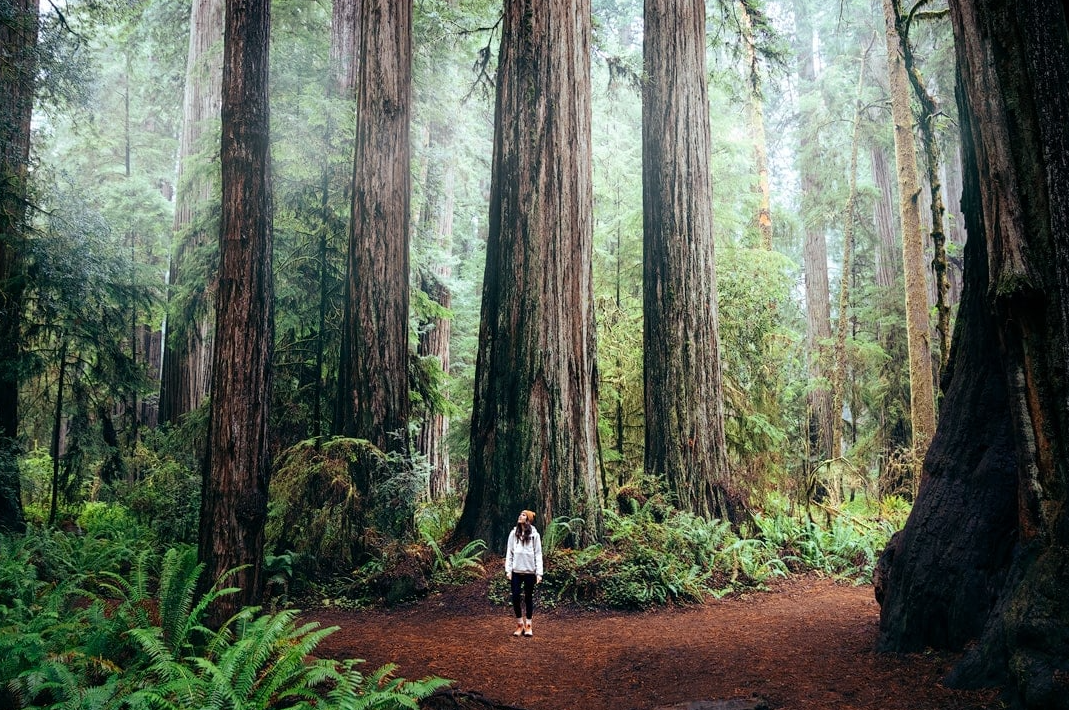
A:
[373,397]
[888,250]
[344,59]
[345,47]
[437,224]
[983,552]
[18,37]
[685,442]
[838,380]
[894,414]
[237,467]
[814,260]
[921,386]
[956,226]
[756,113]
[534,419]
[188,348]
[57,425]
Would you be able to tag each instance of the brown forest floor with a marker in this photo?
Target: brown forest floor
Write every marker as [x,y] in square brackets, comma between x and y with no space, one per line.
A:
[808,642]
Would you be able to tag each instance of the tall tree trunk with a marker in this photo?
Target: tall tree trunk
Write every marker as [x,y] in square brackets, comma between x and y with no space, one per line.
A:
[814,257]
[838,378]
[373,397]
[756,114]
[345,65]
[188,347]
[685,442]
[237,467]
[933,161]
[894,413]
[436,223]
[534,421]
[983,552]
[57,426]
[18,37]
[921,386]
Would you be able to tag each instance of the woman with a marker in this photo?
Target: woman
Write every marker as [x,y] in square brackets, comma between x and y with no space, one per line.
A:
[523,567]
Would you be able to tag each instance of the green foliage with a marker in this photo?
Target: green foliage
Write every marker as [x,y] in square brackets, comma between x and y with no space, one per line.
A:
[61,647]
[651,559]
[458,567]
[165,495]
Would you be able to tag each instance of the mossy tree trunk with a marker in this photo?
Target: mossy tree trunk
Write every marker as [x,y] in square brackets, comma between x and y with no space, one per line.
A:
[933,163]
[534,421]
[237,467]
[18,37]
[187,352]
[983,555]
[685,442]
[921,385]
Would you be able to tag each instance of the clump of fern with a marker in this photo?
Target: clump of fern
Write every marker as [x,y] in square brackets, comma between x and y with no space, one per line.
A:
[140,640]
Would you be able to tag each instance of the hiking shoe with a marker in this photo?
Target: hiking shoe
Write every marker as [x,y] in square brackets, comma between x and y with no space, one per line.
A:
[527,629]
[519,629]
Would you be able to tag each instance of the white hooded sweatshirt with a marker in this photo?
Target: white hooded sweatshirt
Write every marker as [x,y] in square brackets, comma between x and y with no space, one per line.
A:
[524,558]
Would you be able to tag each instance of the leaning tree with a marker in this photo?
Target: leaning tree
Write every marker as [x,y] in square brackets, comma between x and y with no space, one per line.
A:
[982,559]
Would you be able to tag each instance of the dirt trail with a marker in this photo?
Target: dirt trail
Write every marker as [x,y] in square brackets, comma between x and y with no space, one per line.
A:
[807,643]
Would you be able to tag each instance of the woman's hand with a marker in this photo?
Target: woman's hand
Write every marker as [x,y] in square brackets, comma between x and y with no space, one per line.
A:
[509,576]
[538,579]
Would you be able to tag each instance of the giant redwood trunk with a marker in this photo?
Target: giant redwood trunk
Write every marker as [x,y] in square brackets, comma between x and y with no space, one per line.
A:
[983,555]
[373,397]
[685,441]
[237,466]
[534,419]
[187,352]
[18,37]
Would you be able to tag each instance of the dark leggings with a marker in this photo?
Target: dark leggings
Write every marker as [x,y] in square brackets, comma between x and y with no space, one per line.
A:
[528,581]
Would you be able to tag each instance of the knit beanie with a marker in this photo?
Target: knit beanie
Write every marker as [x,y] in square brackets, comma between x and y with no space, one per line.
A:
[530,516]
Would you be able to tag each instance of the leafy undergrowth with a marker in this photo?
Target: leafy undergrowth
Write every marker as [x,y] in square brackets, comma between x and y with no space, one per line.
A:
[87,621]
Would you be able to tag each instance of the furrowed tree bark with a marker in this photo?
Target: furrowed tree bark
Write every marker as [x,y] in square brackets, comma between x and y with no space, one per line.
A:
[534,420]
[922,388]
[187,355]
[237,467]
[18,37]
[685,442]
[983,555]
[373,397]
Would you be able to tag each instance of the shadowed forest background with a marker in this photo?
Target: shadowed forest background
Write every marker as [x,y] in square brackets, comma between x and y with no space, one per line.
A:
[304,301]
